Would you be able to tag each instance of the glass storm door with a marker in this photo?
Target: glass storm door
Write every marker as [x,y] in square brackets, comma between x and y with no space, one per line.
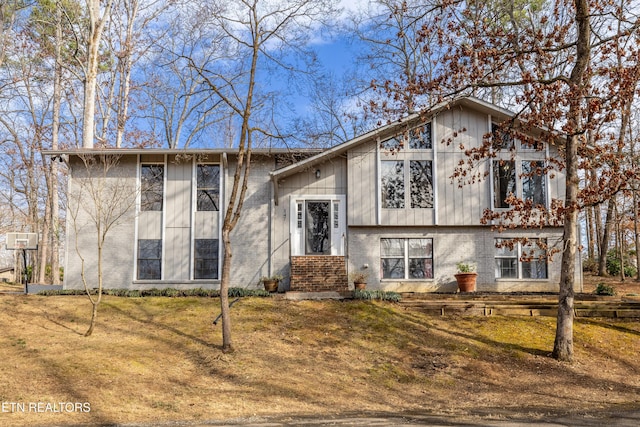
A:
[318,227]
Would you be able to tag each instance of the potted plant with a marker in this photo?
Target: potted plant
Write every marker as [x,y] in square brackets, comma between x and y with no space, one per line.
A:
[466,277]
[271,282]
[359,279]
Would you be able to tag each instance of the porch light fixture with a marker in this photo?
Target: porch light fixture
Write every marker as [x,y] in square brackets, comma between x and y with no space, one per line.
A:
[317,173]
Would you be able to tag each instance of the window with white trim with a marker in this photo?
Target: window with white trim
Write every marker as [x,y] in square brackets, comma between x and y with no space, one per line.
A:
[533,182]
[394,174]
[149,259]
[406,258]
[151,187]
[517,260]
[205,265]
[208,192]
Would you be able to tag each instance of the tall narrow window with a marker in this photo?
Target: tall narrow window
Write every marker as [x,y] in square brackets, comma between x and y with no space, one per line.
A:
[151,187]
[318,222]
[504,182]
[421,184]
[392,184]
[299,215]
[205,259]
[149,259]
[208,195]
[533,182]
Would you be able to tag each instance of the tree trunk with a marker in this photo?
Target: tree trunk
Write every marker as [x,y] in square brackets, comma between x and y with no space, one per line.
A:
[591,245]
[94,316]
[227,346]
[606,236]
[563,345]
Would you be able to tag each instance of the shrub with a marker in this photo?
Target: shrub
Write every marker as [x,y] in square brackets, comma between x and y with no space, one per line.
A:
[602,289]
[376,295]
[613,264]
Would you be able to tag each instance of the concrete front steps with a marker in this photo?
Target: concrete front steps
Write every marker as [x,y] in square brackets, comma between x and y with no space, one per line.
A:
[519,305]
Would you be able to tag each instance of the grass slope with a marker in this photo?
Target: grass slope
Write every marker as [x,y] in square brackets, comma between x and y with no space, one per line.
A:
[156,359]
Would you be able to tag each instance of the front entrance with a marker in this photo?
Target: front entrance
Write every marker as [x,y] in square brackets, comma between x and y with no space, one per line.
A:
[318,225]
[318,239]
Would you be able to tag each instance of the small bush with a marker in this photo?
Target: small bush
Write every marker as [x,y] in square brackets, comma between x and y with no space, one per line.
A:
[602,289]
[590,265]
[165,292]
[364,294]
[613,264]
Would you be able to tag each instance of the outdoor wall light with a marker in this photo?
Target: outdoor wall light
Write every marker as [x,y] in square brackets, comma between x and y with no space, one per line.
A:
[317,173]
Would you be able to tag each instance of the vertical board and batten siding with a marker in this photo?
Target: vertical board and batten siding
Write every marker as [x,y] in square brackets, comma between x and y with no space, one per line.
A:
[460,204]
[332,181]
[362,197]
[455,205]
[177,242]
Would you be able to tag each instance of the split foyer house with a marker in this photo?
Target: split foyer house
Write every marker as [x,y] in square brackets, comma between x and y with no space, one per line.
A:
[383,203]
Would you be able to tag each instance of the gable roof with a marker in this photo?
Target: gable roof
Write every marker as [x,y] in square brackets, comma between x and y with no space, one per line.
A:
[390,130]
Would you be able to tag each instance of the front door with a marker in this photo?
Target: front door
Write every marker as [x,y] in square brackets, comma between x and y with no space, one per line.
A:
[317,225]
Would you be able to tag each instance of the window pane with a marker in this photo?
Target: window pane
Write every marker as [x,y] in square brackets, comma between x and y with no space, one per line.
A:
[504,182]
[151,186]
[392,247]
[392,144]
[149,259]
[392,268]
[501,140]
[420,248]
[208,179]
[533,183]
[536,269]
[420,268]
[420,137]
[206,259]
[506,267]
[534,259]
[503,250]
[421,184]
[392,184]
[149,249]
[318,226]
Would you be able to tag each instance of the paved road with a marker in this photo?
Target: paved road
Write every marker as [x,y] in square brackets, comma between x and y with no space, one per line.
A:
[622,419]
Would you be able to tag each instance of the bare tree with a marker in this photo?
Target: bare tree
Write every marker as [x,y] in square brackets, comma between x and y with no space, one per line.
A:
[98,14]
[561,67]
[99,199]
[251,33]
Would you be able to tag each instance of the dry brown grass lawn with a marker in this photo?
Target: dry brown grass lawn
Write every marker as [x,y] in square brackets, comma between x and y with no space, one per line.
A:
[158,359]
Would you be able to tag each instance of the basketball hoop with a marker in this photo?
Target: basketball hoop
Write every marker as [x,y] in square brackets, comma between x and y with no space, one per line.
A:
[22,241]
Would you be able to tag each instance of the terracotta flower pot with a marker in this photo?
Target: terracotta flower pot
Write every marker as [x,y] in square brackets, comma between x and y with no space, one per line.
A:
[359,285]
[270,285]
[466,281]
